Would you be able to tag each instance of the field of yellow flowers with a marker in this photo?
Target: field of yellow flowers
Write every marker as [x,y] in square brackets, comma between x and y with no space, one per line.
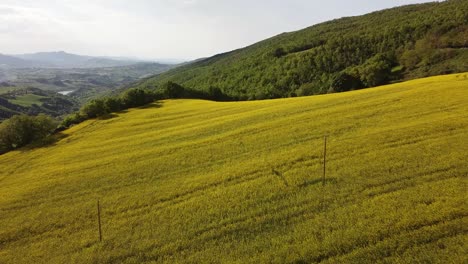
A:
[192,181]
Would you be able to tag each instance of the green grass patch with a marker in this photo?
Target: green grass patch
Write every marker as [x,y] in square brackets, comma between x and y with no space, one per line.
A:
[211,182]
[396,69]
[27,100]
[4,90]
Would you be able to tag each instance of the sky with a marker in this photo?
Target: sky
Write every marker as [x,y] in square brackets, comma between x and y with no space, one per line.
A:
[162,29]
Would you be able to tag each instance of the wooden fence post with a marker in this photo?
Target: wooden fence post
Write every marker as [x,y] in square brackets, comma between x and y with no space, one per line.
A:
[324,159]
[99,220]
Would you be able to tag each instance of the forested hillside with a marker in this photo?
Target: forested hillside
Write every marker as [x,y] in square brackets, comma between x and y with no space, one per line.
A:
[345,54]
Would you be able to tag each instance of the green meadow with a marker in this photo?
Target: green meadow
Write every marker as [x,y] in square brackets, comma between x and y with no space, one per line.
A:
[4,90]
[193,181]
[27,100]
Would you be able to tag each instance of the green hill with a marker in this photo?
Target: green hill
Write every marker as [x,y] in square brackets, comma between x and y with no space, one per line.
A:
[350,53]
[193,181]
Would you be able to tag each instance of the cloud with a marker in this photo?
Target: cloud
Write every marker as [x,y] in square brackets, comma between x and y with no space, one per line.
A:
[29,29]
[189,2]
[5,10]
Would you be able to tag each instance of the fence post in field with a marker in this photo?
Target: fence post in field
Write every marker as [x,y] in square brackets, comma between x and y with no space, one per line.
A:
[324,159]
[99,220]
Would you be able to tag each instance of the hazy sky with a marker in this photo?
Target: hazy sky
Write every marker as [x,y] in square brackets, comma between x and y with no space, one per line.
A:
[179,29]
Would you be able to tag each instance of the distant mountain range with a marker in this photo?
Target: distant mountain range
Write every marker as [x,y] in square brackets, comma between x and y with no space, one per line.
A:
[7,61]
[61,60]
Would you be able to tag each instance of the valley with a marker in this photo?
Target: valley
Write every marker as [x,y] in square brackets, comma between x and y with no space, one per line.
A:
[77,86]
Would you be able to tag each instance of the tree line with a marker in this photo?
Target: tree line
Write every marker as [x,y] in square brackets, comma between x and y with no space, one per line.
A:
[22,130]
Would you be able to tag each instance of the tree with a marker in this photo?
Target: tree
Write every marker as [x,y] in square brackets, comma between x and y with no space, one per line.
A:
[137,97]
[21,130]
[376,71]
[72,119]
[279,52]
[113,104]
[215,93]
[95,108]
[343,82]
[171,90]
[42,125]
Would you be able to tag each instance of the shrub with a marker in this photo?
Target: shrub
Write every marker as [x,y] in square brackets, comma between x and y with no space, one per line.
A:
[171,90]
[343,82]
[279,52]
[376,71]
[21,130]
[113,104]
[306,89]
[95,108]
[72,119]
[215,94]
[137,97]
[101,107]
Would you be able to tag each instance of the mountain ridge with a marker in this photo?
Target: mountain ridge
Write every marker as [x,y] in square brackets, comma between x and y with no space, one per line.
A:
[349,53]
[62,59]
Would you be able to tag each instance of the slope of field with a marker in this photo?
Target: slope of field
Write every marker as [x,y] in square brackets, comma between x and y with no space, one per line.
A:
[208,182]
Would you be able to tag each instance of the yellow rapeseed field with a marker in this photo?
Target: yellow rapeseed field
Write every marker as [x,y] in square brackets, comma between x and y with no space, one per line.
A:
[192,181]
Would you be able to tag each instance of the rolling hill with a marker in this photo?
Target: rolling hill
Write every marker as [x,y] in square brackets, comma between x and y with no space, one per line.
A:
[391,45]
[197,181]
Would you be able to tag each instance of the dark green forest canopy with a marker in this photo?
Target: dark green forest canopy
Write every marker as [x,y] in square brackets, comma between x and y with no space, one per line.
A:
[350,53]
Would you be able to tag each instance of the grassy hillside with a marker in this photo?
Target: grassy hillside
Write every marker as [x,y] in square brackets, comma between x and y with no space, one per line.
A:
[396,44]
[206,182]
[4,90]
[28,100]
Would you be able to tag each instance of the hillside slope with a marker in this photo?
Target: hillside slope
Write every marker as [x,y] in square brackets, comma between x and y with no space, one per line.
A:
[396,44]
[205,182]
